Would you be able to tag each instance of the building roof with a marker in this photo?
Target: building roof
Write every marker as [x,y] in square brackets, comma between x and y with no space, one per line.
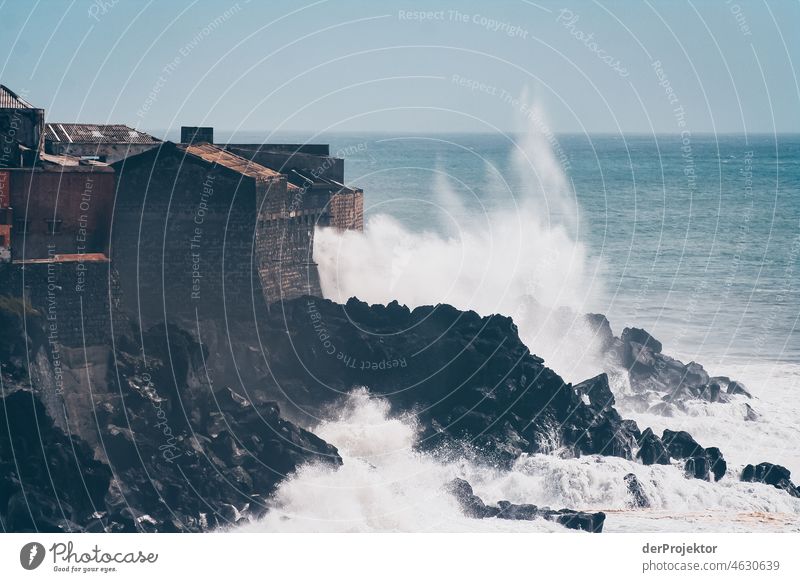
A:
[216,155]
[97,133]
[67,160]
[73,258]
[10,100]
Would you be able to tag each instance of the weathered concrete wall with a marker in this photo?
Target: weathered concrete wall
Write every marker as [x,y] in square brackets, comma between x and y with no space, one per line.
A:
[75,298]
[346,210]
[79,201]
[190,237]
[285,242]
[183,237]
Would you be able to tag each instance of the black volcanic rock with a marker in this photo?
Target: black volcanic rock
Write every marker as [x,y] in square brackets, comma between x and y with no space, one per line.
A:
[473,506]
[700,463]
[602,328]
[49,482]
[467,378]
[638,497]
[680,444]
[183,458]
[189,457]
[655,375]
[775,475]
[651,450]
[718,464]
[697,467]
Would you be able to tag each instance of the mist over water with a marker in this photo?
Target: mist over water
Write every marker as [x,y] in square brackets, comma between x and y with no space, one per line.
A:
[521,259]
[499,229]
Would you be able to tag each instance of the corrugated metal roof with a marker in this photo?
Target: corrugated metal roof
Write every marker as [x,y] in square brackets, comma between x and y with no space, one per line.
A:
[97,133]
[219,156]
[10,100]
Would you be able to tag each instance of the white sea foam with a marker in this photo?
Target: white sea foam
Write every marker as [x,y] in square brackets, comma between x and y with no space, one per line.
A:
[528,263]
[384,485]
[772,437]
[525,261]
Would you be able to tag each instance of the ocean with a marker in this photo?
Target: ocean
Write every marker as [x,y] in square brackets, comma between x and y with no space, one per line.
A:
[694,238]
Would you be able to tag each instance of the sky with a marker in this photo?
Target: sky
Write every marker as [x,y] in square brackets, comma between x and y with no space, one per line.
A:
[430,66]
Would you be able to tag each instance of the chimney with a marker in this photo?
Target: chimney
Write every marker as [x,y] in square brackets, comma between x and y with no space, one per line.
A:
[190,135]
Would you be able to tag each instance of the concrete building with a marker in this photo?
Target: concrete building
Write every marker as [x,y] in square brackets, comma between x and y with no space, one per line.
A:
[180,230]
[59,206]
[310,167]
[194,229]
[55,214]
[21,130]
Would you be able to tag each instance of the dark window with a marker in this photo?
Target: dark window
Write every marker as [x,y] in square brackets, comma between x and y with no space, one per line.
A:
[53,226]
[22,224]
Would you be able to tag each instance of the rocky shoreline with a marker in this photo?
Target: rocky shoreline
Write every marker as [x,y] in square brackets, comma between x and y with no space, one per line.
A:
[165,448]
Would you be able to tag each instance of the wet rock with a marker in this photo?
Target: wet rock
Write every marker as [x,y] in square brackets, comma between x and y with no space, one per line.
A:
[633,335]
[475,382]
[731,386]
[775,475]
[680,444]
[651,450]
[597,391]
[718,464]
[750,415]
[473,506]
[697,467]
[701,463]
[650,371]
[602,328]
[738,388]
[639,499]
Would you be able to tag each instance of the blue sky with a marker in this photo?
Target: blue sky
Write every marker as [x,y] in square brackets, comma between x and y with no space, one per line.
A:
[433,66]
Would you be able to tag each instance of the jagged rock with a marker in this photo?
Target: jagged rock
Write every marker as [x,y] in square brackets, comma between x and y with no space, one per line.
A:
[738,388]
[700,463]
[602,328]
[651,450]
[474,381]
[718,464]
[680,444]
[597,391]
[49,482]
[473,506]
[650,371]
[730,386]
[184,458]
[775,475]
[636,335]
[697,467]
[638,497]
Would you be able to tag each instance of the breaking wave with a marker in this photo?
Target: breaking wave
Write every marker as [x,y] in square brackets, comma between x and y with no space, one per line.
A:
[385,485]
[525,260]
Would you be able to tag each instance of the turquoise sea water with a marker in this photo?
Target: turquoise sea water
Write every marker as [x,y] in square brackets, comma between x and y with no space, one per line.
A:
[698,242]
